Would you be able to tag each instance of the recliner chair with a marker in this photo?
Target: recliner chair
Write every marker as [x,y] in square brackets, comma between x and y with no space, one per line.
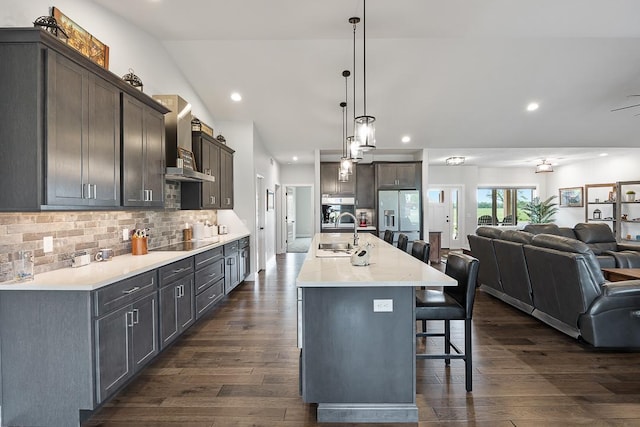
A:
[601,240]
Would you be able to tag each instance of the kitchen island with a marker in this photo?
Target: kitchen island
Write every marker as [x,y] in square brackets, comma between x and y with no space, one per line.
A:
[358,331]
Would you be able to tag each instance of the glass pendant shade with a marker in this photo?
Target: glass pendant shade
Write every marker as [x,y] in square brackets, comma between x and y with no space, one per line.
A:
[346,166]
[342,176]
[355,153]
[365,132]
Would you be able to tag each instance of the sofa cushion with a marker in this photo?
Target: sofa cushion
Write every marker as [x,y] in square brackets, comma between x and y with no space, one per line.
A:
[490,232]
[599,237]
[567,232]
[516,236]
[542,229]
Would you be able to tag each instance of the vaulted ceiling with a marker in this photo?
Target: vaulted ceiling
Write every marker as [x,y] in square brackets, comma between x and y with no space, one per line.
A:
[454,75]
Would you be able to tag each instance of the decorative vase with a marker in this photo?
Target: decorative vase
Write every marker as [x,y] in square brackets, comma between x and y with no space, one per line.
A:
[631,197]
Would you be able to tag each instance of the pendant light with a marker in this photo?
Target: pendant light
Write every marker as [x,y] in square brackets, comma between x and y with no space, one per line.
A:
[353,145]
[346,165]
[544,167]
[365,130]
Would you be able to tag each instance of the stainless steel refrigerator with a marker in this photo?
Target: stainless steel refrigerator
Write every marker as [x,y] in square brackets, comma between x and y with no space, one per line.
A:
[399,211]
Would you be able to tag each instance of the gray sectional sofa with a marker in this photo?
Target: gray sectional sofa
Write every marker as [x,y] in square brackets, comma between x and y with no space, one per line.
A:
[558,280]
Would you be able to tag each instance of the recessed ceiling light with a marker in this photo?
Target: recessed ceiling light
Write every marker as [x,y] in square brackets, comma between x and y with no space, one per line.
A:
[532,106]
[604,154]
[406,139]
[295,158]
[235,96]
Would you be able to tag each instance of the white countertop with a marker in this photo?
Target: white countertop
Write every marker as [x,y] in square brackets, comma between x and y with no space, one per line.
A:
[98,274]
[389,267]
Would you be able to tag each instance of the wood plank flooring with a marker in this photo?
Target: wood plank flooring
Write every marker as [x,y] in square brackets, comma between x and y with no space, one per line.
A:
[238,367]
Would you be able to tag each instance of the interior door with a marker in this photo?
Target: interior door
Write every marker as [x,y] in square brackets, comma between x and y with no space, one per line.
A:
[261,207]
[291,215]
[445,214]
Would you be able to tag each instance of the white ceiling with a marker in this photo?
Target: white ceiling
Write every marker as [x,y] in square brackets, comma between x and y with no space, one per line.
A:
[455,75]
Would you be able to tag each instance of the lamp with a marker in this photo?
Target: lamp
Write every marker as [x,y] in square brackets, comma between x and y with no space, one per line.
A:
[454,161]
[364,125]
[544,167]
[346,163]
[353,146]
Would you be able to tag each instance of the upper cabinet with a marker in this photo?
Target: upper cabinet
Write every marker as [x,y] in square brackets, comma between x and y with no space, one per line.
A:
[142,154]
[216,160]
[365,186]
[329,183]
[62,129]
[399,175]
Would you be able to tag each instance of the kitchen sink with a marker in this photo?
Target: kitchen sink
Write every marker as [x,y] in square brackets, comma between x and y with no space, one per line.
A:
[336,246]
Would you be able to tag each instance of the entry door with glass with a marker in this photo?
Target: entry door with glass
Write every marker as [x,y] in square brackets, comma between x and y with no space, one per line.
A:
[445,213]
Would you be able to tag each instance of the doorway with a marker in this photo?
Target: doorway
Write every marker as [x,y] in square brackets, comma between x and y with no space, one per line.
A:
[299,217]
[446,213]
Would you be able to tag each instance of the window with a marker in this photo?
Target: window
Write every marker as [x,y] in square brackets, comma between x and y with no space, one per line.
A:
[502,205]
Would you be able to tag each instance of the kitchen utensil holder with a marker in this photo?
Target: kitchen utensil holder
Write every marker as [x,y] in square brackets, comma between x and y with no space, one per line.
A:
[187,234]
[23,266]
[139,246]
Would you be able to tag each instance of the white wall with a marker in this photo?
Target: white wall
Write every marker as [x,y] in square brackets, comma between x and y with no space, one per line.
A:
[129,47]
[267,167]
[297,174]
[304,211]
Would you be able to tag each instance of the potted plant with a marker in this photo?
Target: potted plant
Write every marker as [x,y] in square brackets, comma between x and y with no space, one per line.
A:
[631,196]
[541,212]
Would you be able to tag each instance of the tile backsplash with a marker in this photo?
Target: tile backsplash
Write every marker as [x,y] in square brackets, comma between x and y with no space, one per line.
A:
[76,232]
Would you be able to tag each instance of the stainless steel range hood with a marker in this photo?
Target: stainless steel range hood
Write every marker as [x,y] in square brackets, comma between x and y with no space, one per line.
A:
[177,125]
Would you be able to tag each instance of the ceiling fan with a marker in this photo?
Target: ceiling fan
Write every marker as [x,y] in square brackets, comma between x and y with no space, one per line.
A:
[628,106]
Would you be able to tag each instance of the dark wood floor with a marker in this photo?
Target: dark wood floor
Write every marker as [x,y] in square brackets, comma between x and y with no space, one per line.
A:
[239,367]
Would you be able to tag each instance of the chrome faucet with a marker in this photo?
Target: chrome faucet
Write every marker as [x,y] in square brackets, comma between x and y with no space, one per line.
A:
[355,229]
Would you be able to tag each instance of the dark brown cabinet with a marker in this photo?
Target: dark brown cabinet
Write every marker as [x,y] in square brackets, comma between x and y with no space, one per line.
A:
[142,154]
[365,186]
[329,183]
[216,160]
[399,175]
[176,299]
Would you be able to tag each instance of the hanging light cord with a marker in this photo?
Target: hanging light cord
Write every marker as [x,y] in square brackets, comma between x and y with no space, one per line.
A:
[364,56]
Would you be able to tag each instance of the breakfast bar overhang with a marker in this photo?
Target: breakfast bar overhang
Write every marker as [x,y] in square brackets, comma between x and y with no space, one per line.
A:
[358,331]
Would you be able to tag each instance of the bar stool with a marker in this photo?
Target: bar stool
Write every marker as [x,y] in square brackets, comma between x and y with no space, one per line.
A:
[403,241]
[454,303]
[388,236]
[420,250]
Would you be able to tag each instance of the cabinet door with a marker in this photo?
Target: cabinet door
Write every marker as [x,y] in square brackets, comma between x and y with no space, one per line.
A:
[186,310]
[406,175]
[67,95]
[245,263]
[154,157]
[365,186]
[169,313]
[348,188]
[231,272]
[328,178]
[104,143]
[133,152]
[214,161]
[386,175]
[144,344]
[112,351]
[226,179]
[205,167]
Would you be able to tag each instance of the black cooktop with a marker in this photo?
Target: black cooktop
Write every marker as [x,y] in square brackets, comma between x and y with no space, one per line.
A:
[185,246]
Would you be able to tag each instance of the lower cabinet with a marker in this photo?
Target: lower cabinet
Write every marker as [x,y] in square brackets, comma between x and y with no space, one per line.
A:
[209,279]
[231,267]
[176,299]
[244,258]
[125,337]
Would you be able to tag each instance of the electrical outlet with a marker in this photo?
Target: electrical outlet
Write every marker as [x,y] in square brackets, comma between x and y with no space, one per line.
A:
[47,244]
[382,305]
[125,234]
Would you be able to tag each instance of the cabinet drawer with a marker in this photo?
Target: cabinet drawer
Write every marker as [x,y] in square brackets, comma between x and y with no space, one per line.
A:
[230,248]
[209,297]
[175,271]
[205,258]
[209,274]
[124,292]
[244,242]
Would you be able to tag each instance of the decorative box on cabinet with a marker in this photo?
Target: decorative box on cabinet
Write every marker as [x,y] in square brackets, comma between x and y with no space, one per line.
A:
[176,299]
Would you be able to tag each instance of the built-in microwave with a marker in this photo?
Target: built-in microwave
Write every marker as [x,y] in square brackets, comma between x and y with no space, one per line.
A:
[332,207]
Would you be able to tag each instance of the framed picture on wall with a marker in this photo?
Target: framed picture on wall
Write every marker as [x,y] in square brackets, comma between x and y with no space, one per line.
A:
[270,200]
[571,197]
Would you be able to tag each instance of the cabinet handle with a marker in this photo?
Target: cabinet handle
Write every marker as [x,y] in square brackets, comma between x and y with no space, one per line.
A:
[180,270]
[177,292]
[130,316]
[135,316]
[132,290]
[213,198]
[95,191]
[181,291]
[213,296]
[228,200]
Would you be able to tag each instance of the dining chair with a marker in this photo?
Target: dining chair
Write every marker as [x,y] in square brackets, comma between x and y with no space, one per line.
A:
[453,303]
[403,241]
[388,236]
